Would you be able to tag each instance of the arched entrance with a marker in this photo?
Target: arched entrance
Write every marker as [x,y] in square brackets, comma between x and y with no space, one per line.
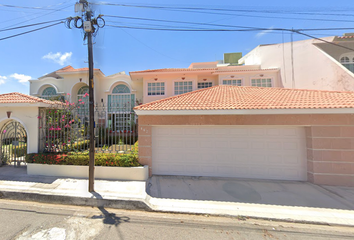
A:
[13,143]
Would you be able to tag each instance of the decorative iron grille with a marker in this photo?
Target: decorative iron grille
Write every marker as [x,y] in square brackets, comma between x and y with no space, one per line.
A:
[65,128]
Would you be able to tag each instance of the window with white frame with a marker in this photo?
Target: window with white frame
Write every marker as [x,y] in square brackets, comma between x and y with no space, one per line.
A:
[50,93]
[156,88]
[261,82]
[232,82]
[83,100]
[204,85]
[347,60]
[120,107]
[183,87]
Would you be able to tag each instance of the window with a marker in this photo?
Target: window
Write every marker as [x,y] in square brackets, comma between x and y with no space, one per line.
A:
[121,121]
[344,60]
[156,88]
[204,85]
[83,100]
[121,89]
[232,82]
[50,94]
[348,61]
[183,87]
[120,107]
[121,99]
[261,82]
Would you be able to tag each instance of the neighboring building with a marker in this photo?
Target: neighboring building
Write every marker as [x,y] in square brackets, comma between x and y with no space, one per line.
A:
[162,83]
[309,64]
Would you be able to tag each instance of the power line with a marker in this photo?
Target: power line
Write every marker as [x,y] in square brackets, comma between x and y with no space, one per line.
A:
[24,7]
[230,30]
[156,25]
[43,14]
[171,21]
[220,25]
[322,40]
[204,10]
[30,25]
[34,30]
[197,30]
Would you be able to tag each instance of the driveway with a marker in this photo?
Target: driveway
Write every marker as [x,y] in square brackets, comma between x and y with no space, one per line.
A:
[271,192]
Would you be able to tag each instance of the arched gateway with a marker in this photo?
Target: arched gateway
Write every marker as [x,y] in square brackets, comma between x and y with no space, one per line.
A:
[13,142]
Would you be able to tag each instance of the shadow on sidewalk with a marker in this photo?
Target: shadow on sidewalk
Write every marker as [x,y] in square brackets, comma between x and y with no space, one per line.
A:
[19,174]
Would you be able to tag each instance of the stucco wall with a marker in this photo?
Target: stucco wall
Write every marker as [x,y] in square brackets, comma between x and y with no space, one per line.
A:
[216,78]
[27,116]
[313,67]
[329,139]
[71,84]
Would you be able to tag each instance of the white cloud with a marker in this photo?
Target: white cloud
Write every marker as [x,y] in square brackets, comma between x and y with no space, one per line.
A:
[264,32]
[2,79]
[21,77]
[60,58]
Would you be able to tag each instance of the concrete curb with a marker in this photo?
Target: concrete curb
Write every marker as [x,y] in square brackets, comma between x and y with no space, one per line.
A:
[127,204]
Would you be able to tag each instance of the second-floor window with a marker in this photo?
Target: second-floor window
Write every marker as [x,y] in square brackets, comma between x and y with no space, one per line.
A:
[50,93]
[183,87]
[261,82]
[156,88]
[348,62]
[204,85]
[232,82]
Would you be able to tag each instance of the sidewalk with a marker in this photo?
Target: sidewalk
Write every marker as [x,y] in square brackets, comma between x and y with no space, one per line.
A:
[232,197]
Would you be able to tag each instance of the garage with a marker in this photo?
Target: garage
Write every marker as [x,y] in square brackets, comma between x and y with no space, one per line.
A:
[263,152]
[252,133]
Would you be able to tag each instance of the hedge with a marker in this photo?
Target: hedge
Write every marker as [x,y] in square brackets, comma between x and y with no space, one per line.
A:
[82,159]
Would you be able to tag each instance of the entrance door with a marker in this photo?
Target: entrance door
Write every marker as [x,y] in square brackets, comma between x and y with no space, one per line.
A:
[13,143]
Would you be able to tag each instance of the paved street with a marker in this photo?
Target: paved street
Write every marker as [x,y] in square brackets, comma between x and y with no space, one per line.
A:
[28,220]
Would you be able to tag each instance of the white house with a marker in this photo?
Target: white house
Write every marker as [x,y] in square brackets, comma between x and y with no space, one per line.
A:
[309,64]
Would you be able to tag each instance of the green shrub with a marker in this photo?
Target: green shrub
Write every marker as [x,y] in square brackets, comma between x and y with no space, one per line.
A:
[20,151]
[82,158]
[77,146]
[46,158]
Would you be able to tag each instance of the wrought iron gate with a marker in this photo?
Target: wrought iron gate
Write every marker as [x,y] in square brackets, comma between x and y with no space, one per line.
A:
[13,143]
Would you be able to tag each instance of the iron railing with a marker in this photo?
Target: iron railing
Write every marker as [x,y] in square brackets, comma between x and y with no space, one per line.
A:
[65,127]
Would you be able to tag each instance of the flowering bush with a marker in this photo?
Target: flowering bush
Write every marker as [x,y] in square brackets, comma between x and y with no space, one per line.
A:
[82,159]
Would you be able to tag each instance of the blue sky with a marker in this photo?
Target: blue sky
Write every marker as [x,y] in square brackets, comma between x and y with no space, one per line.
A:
[121,49]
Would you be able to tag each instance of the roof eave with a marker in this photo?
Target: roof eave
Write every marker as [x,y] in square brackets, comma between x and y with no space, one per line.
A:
[140,112]
[172,72]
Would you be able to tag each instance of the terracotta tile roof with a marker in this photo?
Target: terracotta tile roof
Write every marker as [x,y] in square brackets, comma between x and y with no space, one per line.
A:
[224,97]
[223,69]
[345,37]
[71,69]
[16,97]
[175,70]
[246,70]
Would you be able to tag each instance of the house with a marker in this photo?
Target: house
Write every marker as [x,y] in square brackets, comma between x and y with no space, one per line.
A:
[309,64]
[19,123]
[251,132]
[116,94]
[161,83]
[119,93]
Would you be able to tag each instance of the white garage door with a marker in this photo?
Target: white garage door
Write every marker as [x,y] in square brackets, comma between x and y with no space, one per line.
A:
[230,151]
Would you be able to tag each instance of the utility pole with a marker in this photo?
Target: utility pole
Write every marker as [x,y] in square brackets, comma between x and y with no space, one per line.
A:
[88,25]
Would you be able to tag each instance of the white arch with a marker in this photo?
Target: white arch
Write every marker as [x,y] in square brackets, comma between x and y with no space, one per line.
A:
[349,55]
[72,90]
[42,87]
[117,83]
[3,122]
